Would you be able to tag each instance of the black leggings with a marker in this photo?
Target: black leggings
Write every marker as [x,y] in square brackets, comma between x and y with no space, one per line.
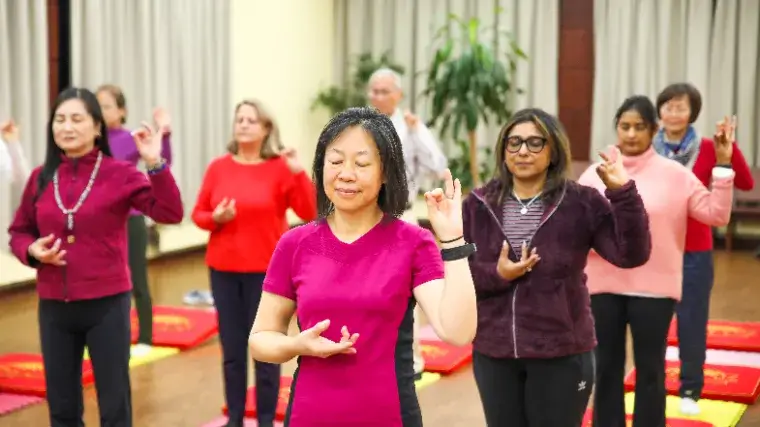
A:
[534,392]
[236,297]
[649,320]
[137,244]
[103,326]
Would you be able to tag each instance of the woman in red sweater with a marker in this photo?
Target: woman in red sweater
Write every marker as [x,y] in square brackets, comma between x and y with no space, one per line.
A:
[678,106]
[242,202]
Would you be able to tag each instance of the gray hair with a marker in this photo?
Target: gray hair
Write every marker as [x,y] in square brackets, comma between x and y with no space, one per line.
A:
[387,72]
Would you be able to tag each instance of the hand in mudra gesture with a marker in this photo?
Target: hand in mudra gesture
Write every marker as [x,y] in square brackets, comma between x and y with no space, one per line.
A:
[510,270]
[611,170]
[148,142]
[311,342]
[724,138]
[445,208]
[44,252]
[224,211]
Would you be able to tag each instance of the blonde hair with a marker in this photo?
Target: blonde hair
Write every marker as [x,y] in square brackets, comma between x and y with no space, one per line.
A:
[271,145]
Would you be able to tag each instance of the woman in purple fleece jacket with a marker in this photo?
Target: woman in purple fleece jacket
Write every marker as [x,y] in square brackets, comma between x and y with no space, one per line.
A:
[533,353]
[114,105]
[72,227]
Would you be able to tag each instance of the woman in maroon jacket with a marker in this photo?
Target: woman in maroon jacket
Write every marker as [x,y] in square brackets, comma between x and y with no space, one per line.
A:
[533,353]
[71,226]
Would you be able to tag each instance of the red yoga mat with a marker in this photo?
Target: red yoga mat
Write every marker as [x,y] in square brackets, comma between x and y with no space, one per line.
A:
[179,327]
[23,373]
[726,335]
[444,358]
[739,384]
[670,422]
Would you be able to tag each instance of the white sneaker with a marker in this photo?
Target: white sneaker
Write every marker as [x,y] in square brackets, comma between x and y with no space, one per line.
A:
[689,406]
[140,350]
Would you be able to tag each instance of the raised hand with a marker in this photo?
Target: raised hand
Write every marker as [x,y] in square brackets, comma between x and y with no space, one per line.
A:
[611,170]
[291,157]
[311,342]
[724,138]
[43,252]
[162,120]
[509,270]
[445,209]
[224,211]
[148,142]
[411,120]
[9,131]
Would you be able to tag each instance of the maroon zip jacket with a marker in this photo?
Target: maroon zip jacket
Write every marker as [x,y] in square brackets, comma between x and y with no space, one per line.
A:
[546,313]
[96,263]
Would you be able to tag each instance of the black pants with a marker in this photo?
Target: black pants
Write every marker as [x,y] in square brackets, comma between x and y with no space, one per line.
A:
[693,312]
[649,319]
[137,244]
[237,297]
[103,326]
[534,392]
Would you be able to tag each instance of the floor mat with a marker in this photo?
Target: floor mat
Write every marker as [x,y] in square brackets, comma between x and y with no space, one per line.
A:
[248,422]
[156,353]
[722,357]
[713,412]
[179,327]
[282,402]
[427,379]
[739,384]
[444,358]
[726,335]
[14,402]
[24,373]
[670,421]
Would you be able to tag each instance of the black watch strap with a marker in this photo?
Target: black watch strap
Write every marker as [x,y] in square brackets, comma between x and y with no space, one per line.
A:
[725,165]
[458,252]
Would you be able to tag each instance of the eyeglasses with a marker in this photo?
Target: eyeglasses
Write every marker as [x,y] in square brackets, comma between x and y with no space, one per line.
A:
[534,144]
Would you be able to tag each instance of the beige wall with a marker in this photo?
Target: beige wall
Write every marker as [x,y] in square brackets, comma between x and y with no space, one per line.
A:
[282,54]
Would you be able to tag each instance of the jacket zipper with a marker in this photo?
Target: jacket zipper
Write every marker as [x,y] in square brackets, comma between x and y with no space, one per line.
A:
[517,286]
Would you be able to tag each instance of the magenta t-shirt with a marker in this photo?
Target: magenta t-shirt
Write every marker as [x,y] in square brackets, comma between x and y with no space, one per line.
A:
[367,286]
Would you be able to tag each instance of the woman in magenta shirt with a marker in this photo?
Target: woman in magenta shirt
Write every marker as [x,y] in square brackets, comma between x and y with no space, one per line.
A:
[72,227]
[358,271]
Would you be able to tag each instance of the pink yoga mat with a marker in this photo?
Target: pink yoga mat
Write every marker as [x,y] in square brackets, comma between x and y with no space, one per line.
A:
[221,421]
[13,402]
[723,357]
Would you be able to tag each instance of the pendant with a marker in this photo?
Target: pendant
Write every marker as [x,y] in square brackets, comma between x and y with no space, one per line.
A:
[523,211]
[70,239]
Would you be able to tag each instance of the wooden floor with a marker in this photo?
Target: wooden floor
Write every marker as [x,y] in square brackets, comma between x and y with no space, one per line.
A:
[186,390]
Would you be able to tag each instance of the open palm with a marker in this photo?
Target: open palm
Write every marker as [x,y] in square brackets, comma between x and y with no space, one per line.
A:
[148,142]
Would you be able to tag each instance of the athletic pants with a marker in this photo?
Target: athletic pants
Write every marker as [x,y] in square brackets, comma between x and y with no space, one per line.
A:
[137,244]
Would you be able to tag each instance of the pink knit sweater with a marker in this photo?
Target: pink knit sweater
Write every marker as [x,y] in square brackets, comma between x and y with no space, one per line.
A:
[671,194]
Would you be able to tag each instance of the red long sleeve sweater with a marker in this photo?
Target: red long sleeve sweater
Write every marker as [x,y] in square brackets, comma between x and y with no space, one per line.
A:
[263,193]
[698,235]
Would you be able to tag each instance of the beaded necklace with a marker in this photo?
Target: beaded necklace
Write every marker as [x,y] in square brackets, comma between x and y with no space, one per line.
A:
[70,212]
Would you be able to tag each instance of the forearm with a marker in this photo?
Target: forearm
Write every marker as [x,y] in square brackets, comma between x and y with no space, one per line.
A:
[18,162]
[272,347]
[457,310]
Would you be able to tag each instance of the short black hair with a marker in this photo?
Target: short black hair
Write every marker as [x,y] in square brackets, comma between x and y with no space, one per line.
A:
[642,105]
[394,192]
[677,90]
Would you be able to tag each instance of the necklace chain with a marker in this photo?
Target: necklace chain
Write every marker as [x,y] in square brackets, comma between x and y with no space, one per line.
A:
[70,212]
[525,206]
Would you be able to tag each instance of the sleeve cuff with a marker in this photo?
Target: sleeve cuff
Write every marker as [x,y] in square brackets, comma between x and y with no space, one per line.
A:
[722,173]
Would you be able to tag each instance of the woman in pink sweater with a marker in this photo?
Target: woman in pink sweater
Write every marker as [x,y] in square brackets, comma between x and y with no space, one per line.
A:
[645,297]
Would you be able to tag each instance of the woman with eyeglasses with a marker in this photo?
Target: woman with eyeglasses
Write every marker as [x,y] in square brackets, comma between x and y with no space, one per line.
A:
[533,354]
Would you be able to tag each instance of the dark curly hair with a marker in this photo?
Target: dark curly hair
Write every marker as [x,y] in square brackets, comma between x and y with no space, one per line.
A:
[394,192]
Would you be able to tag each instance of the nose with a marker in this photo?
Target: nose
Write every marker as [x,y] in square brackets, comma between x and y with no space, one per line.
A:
[630,133]
[67,125]
[347,173]
[523,151]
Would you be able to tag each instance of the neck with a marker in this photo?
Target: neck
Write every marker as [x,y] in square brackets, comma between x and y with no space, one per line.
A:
[249,152]
[527,188]
[75,154]
[349,226]
[675,136]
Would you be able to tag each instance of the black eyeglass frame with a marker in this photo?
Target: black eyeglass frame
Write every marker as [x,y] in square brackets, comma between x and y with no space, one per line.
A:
[535,149]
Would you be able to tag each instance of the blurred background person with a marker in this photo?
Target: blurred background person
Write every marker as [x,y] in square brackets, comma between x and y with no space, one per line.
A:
[243,203]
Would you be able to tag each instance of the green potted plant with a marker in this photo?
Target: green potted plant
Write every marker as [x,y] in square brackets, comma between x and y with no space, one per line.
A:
[469,81]
[354,93]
